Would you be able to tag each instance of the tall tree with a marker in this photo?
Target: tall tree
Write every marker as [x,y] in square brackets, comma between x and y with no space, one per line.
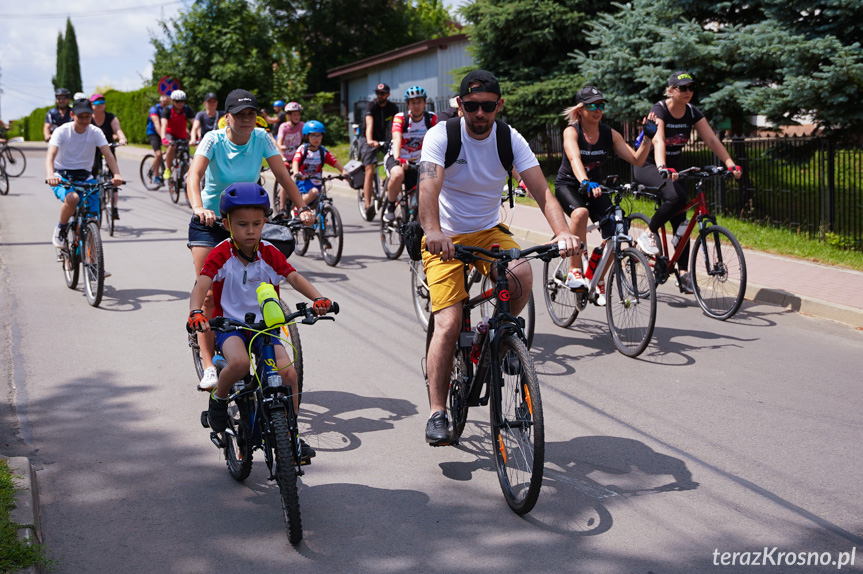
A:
[60,74]
[73,62]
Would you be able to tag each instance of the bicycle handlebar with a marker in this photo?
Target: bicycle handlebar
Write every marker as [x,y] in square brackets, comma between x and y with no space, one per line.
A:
[706,172]
[470,253]
[227,325]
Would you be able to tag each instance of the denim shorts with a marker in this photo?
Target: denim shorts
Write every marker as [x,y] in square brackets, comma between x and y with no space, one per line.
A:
[200,235]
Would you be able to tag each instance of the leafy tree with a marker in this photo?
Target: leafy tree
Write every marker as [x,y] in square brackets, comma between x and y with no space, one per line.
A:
[216,46]
[68,74]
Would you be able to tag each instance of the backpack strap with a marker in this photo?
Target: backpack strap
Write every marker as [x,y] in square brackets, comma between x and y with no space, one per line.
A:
[453,141]
[427,117]
[504,152]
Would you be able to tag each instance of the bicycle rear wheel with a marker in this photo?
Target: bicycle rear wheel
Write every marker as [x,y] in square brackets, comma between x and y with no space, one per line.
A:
[518,429]
[286,474]
[718,272]
[69,257]
[391,233]
[16,161]
[420,293]
[237,439]
[94,264]
[330,235]
[147,172]
[631,302]
[459,384]
[108,210]
[303,238]
[4,182]
[560,300]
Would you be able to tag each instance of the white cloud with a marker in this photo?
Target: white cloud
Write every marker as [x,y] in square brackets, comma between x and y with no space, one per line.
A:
[114,48]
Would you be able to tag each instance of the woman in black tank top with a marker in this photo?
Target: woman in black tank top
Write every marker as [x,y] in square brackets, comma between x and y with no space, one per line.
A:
[587,144]
[110,126]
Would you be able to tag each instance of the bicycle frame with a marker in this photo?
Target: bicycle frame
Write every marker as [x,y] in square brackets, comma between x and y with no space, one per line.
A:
[699,203]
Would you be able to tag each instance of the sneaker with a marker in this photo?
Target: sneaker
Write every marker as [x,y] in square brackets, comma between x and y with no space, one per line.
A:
[599,300]
[217,415]
[210,380]
[115,213]
[158,180]
[575,280]
[370,212]
[107,274]
[306,451]
[59,238]
[647,243]
[167,173]
[685,283]
[437,429]
[389,216]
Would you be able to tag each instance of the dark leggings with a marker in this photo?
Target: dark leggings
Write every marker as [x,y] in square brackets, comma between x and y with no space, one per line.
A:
[674,199]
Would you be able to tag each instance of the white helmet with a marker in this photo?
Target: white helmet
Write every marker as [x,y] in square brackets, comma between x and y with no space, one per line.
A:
[178,96]
[293,107]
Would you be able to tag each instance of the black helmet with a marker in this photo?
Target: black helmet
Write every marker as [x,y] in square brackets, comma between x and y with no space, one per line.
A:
[62,92]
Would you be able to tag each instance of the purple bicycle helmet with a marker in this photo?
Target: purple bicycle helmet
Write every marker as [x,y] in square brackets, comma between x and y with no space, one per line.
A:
[244,194]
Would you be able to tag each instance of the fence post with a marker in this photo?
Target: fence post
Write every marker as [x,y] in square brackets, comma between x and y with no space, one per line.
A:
[831,184]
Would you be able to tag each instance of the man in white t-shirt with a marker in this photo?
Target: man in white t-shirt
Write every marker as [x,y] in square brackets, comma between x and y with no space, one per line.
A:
[460,204]
[71,153]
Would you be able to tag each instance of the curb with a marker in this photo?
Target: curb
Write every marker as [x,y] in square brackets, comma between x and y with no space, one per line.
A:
[26,511]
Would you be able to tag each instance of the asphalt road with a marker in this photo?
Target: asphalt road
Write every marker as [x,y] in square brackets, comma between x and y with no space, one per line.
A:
[722,437]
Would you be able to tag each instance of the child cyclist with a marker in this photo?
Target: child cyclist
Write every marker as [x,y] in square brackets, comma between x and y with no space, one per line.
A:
[309,161]
[234,269]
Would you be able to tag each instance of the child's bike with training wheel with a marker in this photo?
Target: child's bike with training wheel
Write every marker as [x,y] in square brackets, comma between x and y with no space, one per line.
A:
[716,262]
[261,413]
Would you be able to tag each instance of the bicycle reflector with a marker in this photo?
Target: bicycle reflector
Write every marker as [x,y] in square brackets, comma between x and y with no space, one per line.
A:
[271,309]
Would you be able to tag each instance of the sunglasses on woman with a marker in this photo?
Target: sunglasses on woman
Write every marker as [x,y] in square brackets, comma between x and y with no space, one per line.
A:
[472,107]
[594,107]
[687,88]
[98,102]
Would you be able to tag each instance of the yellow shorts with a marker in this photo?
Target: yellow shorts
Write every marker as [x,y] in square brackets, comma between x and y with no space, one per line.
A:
[446,279]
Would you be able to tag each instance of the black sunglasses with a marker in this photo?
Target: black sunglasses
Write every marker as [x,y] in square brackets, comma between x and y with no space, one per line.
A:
[687,88]
[472,107]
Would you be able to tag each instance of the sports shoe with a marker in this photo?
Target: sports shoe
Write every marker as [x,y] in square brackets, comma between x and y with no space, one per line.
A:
[306,451]
[115,213]
[370,212]
[217,414]
[599,300]
[437,429]
[59,238]
[575,280]
[158,180]
[210,380]
[647,243]
[167,173]
[685,283]
[389,216]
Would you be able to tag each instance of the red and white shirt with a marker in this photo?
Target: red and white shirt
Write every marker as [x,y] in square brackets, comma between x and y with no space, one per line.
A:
[235,284]
[413,134]
[312,166]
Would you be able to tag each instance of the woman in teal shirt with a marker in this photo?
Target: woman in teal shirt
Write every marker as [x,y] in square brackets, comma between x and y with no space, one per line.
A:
[227,156]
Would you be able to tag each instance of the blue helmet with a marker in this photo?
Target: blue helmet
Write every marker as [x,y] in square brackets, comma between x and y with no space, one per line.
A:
[314,127]
[244,194]
[415,92]
[279,103]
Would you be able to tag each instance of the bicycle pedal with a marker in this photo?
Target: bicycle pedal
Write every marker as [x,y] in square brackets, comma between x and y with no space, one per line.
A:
[216,440]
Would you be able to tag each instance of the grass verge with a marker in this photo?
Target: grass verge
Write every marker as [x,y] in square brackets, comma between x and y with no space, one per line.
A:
[14,554]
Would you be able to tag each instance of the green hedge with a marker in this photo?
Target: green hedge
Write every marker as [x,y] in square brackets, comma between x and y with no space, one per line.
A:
[30,127]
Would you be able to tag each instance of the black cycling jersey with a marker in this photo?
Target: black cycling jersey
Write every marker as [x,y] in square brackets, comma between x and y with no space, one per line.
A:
[382,118]
[677,133]
[208,124]
[56,118]
[592,156]
[106,126]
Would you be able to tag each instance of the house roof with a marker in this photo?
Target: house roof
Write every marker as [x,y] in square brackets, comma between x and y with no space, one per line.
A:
[398,53]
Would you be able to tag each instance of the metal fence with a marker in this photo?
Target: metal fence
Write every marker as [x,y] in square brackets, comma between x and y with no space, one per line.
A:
[809,184]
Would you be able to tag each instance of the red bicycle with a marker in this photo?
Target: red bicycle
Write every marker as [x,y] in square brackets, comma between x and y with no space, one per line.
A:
[716,262]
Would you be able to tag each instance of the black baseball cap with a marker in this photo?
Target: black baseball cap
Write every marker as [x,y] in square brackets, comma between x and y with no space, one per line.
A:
[487,79]
[211,96]
[588,95]
[62,92]
[239,100]
[82,106]
[382,88]
[681,78]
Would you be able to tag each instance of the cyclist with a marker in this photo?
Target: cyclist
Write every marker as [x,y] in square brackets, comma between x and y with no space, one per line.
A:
[309,160]
[450,111]
[70,155]
[409,129]
[276,122]
[290,134]
[379,112]
[228,155]
[207,119]
[154,123]
[234,270]
[175,125]
[4,127]
[587,144]
[459,204]
[675,118]
[110,126]
[59,115]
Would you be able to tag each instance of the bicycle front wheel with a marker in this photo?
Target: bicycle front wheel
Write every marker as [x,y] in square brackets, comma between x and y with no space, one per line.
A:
[295,353]
[518,430]
[420,293]
[174,185]
[302,240]
[147,172]
[286,474]
[237,439]
[16,161]
[330,235]
[107,210]
[4,182]
[94,264]
[630,305]
[718,271]
[196,354]
[69,257]
[560,300]
[391,233]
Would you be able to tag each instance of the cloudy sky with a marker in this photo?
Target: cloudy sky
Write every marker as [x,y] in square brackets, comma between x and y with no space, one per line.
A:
[113,42]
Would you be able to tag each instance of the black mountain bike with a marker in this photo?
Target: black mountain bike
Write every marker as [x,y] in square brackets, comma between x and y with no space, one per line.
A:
[179,170]
[378,191]
[407,209]
[496,369]
[12,160]
[106,215]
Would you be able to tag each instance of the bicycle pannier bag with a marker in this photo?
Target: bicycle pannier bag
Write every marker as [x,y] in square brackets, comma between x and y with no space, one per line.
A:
[356,173]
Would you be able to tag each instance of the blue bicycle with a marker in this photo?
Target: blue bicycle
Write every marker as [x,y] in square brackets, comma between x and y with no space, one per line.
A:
[328,227]
[261,413]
